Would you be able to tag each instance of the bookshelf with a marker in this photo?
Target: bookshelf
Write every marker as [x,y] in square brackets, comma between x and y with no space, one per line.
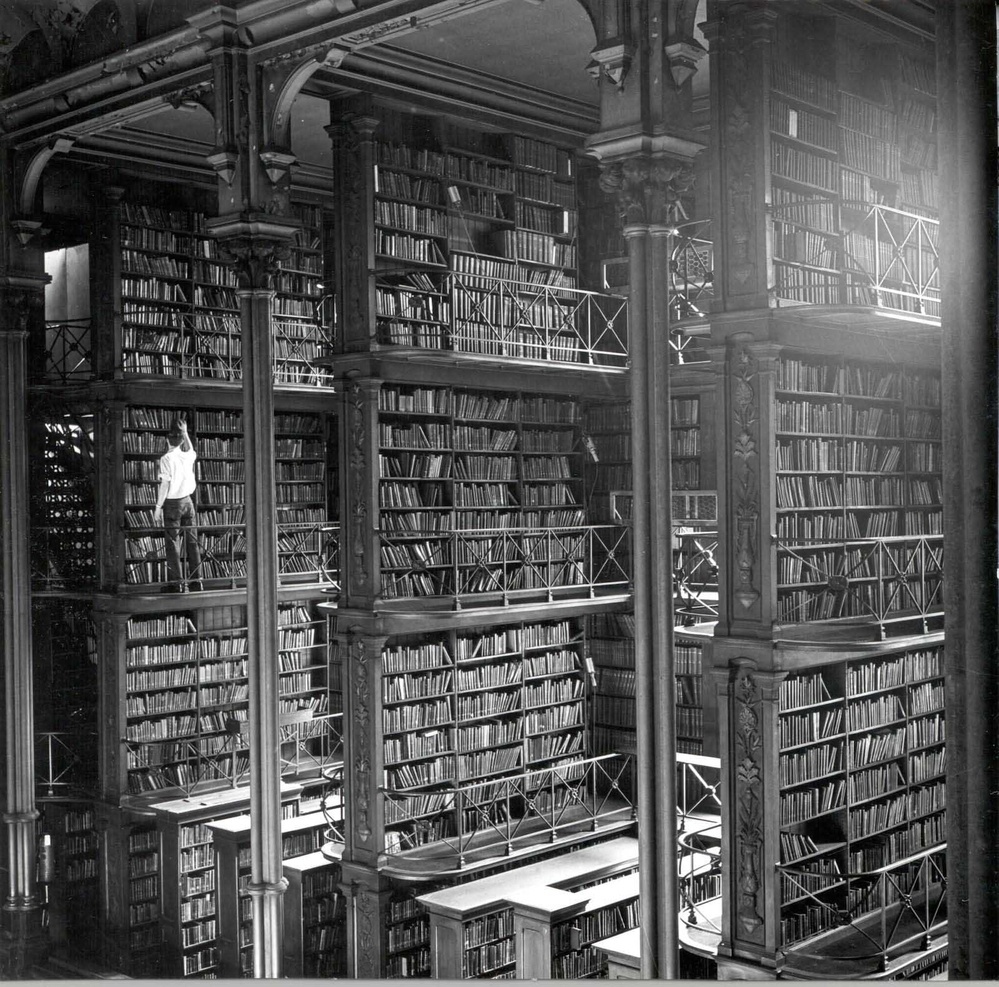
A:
[185,696]
[144,937]
[465,707]
[861,767]
[461,473]
[473,926]
[858,458]
[407,930]
[301,835]
[73,908]
[315,915]
[180,310]
[190,910]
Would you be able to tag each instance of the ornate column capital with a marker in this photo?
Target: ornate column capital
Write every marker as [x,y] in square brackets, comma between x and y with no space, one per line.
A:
[648,189]
[255,248]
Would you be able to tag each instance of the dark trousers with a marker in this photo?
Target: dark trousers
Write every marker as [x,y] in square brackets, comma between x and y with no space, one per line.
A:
[181,522]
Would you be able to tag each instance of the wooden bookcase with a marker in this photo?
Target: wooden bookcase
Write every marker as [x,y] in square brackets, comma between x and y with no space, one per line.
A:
[473,926]
[861,766]
[301,835]
[315,915]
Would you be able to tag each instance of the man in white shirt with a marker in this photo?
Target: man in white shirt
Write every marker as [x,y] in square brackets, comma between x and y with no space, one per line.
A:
[175,508]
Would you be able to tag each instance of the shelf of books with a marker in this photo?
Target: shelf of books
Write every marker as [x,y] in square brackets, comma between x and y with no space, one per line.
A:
[611,907]
[475,250]
[407,937]
[688,666]
[190,912]
[186,695]
[73,914]
[315,915]
[463,708]
[479,493]
[861,769]
[854,190]
[144,895]
[300,835]
[475,933]
[305,535]
[180,309]
[858,484]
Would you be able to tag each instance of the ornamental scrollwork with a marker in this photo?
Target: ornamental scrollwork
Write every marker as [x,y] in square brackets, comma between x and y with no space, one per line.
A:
[745,476]
[749,804]
[255,259]
[647,189]
[358,458]
[361,687]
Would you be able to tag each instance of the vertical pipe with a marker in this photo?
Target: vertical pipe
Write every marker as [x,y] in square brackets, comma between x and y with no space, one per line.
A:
[661,519]
[22,903]
[267,882]
[637,239]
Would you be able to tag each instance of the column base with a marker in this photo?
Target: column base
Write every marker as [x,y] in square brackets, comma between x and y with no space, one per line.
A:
[24,943]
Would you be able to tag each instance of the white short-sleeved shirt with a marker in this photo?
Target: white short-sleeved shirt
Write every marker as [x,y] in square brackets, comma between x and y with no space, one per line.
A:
[177,468]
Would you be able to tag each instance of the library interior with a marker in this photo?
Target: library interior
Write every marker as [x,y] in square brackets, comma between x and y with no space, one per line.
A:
[475,478]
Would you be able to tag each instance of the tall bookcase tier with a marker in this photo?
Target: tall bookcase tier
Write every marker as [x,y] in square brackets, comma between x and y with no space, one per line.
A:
[858,490]
[861,763]
[853,188]
[301,835]
[185,706]
[190,912]
[179,309]
[479,494]
[306,536]
[461,708]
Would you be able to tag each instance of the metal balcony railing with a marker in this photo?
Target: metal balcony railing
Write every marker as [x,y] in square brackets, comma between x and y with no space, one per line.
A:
[896,908]
[535,322]
[509,563]
[68,348]
[302,348]
[65,764]
[889,260]
[699,860]
[507,814]
[691,274]
[885,580]
[311,744]
[695,574]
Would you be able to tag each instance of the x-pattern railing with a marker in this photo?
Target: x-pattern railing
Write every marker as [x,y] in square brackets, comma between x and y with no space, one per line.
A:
[200,758]
[695,573]
[691,273]
[890,258]
[522,809]
[299,346]
[916,884]
[509,561]
[306,550]
[517,320]
[63,764]
[699,861]
[699,784]
[882,578]
[67,350]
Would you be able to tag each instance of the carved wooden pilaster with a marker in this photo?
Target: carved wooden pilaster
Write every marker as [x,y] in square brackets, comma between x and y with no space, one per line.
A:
[745,470]
[749,699]
[354,159]
[109,630]
[105,285]
[367,897]
[113,830]
[360,561]
[363,749]
[740,41]
[109,501]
